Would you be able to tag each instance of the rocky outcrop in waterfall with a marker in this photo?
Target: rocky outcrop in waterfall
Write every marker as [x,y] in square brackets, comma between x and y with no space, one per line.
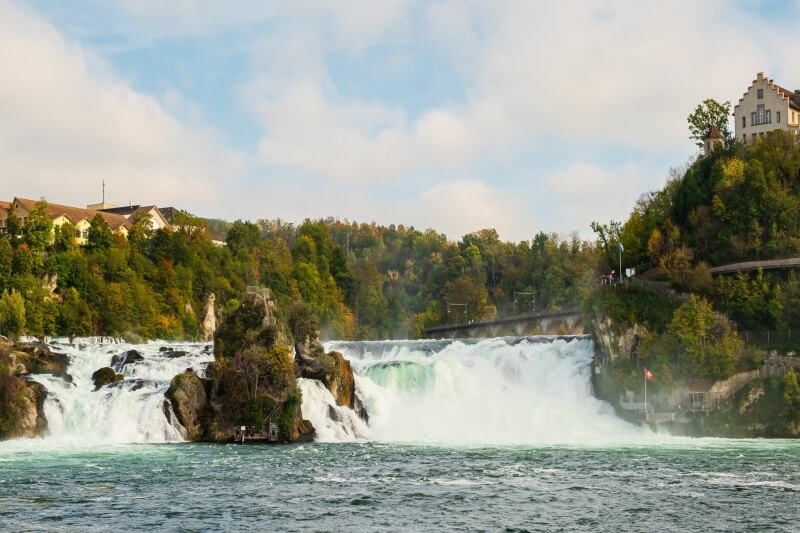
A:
[254,380]
[188,399]
[37,358]
[335,372]
[105,376]
[21,401]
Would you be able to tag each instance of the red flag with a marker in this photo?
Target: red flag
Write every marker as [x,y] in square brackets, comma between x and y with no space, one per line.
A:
[648,375]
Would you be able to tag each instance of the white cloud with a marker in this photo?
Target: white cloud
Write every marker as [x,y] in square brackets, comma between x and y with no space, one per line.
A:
[586,76]
[464,206]
[69,123]
[585,193]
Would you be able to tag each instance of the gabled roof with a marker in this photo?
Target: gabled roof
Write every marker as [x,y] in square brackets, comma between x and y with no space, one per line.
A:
[5,205]
[76,214]
[793,97]
[132,212]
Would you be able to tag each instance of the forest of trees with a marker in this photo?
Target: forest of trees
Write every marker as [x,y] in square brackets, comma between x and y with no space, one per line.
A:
[364,281]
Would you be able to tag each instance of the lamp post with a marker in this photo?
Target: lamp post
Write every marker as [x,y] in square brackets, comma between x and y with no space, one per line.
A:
[464,306]
[517,294]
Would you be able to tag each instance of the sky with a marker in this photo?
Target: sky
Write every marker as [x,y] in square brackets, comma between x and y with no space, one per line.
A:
[455,115]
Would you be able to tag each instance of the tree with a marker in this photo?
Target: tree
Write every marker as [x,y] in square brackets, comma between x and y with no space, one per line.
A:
[100,235]
[710,346]
[64,238]
[40,228]
[242,237]
[709,114]
[12,313]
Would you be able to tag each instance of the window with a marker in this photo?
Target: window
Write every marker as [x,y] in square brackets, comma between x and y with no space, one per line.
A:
[744,122]
[761,116]
[777,116]
[744,138]
[760,94]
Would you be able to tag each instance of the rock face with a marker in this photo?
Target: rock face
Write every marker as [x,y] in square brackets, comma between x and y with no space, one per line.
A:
[21,407]
[209,319]
[335,372]
[38,358]
[187,394]
[105,376]
[125,358]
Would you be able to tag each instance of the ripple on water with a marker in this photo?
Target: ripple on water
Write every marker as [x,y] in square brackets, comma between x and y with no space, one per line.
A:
[406,488]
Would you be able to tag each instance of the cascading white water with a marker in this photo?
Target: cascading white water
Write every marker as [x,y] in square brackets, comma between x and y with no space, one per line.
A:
[123,412]
[332,423]
[503,390]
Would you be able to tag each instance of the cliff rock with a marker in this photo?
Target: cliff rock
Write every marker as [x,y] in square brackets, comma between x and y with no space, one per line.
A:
[209,319]
[39,358]
[187,394]
[21,407]
[335,372]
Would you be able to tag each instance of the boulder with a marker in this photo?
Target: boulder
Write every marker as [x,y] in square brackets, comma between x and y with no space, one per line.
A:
[187,397]
[105,376]
[335,372]
[125,358]
[39,358]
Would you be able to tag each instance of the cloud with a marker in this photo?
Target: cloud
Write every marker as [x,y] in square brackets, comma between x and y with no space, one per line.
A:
[586,192]
[464,206]
[69,122]
[554,113]
[586,77]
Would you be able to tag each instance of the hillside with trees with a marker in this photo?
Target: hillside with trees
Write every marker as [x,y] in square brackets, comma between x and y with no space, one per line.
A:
[363,281]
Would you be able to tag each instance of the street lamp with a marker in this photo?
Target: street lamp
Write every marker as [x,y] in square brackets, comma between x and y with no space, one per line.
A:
[517,294]
[464,306]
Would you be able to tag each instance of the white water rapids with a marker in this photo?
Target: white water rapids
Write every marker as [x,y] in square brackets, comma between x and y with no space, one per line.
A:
[128,411]
[494,391]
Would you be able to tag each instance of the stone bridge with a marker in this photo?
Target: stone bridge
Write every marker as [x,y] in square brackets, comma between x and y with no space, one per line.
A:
[556,323]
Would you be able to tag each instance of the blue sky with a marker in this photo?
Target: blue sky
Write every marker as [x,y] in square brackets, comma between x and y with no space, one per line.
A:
[452,114]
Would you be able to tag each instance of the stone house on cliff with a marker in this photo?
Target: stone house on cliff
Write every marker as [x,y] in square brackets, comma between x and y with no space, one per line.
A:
[766,107]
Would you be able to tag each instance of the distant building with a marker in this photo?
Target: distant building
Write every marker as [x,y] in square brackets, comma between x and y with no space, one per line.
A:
[61,214]
[766,107]
[4,207]
[712,140]
[133,212]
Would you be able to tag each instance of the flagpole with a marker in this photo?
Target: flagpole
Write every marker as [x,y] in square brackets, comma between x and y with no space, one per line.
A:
[645,395]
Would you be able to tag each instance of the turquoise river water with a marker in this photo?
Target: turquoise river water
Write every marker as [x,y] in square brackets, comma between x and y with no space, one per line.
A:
[706,485]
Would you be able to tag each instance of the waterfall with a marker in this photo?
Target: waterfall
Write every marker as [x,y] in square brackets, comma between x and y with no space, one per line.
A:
[493,391]
[131,410]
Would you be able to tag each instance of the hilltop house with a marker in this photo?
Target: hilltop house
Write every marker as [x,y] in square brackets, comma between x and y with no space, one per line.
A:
[4,207]
[766,107]
[60,214]
[132,212]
